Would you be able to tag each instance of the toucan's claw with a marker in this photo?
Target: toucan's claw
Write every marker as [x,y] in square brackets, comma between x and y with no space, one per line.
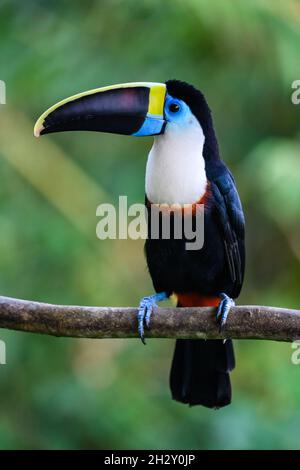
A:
[223,309]
[148,315]
[141,316]
[145,310]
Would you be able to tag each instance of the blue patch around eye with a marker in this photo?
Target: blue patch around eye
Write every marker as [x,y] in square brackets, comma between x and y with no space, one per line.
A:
[176,115]
[180,117]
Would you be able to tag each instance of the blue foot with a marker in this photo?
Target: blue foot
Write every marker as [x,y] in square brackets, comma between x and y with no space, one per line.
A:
[223,309]
[145,309]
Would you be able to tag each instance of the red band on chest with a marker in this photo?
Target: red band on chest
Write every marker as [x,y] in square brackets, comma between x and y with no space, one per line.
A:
[185,208]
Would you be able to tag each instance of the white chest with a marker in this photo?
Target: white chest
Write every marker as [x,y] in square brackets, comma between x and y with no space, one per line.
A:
[175,172]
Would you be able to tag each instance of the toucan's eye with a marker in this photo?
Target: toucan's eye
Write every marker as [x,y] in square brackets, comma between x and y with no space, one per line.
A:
[174,107]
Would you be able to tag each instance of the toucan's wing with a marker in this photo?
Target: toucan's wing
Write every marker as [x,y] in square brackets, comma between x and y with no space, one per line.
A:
[232,223]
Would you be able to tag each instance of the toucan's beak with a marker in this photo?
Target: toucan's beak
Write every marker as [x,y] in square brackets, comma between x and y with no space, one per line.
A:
[130,109]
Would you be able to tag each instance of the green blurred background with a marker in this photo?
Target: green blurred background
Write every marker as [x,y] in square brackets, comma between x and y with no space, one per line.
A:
[68,393]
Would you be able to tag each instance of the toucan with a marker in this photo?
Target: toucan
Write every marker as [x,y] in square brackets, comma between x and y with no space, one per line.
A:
[184,168]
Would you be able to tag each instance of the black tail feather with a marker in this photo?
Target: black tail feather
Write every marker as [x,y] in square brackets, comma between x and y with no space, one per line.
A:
[200,372]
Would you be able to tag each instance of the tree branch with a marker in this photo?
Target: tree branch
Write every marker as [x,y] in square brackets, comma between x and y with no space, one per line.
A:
[244,322]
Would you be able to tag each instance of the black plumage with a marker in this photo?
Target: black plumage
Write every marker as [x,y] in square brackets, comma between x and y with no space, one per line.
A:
[200,369]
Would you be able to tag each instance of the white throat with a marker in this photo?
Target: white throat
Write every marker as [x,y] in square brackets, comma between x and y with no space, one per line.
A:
[175,172]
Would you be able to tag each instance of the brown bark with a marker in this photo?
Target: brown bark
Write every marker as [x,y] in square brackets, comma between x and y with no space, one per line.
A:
[244,322]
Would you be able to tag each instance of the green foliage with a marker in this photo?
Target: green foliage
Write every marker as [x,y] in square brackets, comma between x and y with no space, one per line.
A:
[244,55]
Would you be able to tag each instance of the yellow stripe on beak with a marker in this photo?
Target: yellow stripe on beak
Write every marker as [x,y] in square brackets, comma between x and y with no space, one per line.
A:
[157,99]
